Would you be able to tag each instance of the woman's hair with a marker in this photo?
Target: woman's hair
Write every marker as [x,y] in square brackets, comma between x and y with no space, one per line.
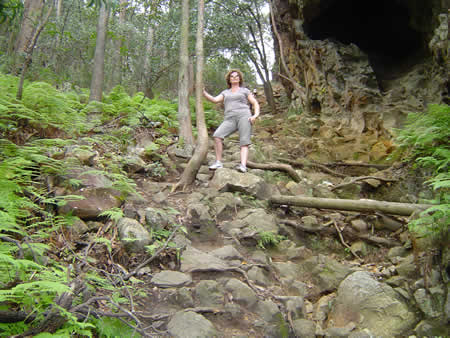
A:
[241,77]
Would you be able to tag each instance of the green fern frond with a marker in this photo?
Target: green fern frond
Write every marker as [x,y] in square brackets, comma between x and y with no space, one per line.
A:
[114,214]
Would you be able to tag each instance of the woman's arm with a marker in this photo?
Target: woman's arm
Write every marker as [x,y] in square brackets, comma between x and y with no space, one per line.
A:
[255,106]
[217,99]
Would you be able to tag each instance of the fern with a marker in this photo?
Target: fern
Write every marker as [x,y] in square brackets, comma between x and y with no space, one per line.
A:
[114,214]
[426,136]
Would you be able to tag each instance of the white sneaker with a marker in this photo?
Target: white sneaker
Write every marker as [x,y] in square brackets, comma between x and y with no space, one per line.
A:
[216,165]
[242,168]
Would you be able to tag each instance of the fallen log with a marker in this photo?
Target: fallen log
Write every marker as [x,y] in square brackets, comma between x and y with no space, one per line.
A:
[404,209]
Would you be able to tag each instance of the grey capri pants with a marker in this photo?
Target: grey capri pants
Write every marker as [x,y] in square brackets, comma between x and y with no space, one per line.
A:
[236,122]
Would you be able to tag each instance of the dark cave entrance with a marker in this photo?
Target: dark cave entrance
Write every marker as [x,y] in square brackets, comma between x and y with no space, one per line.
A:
[380,28]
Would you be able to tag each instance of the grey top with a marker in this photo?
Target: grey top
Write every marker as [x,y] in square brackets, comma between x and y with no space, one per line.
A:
[236,102]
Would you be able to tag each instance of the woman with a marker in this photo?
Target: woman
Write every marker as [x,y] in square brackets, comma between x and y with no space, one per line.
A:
[238,117]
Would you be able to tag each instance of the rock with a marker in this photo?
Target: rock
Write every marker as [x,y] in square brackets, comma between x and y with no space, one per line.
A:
[78,227]
[373,305]
[190,324]
[156,218]
[304,328]
[168,279]
[133,235]
[310,221]
[259,276]
[268,311]
[227,252]
[225,206]
[340,331]
[193,260]
[133,164]
[241,293]
[359,225]
[360,248]
[183,298]
[296,307]
[94,201]
[209,293]
[199,214]
[397,251]
[84,156]
[323,307]
[430,302]
[327,273]
[230,180]
[407,267]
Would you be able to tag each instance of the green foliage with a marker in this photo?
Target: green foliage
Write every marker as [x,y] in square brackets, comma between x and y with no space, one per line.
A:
[269,239]
[112,327]
[42,107]
[9,9]
[114,214]
[425,137]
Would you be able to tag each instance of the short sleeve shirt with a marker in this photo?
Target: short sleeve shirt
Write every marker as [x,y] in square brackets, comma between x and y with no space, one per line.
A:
[236,102]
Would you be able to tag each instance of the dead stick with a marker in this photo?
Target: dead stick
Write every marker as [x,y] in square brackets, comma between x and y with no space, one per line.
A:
[343,242]
[144,263]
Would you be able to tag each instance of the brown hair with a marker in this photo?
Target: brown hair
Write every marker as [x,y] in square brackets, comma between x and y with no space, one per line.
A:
[241,77]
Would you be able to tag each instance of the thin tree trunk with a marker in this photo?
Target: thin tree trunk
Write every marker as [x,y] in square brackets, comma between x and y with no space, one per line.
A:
[32,11]
[191,170]
[395,208]
[29,51]
[148,92]
[116,77]
[184,114]
[98,72]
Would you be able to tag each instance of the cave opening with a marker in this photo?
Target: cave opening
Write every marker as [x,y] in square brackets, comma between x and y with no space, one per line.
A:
[379,28]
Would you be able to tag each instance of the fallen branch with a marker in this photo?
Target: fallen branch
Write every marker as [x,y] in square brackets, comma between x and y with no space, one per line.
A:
[347,231]
[339,231]
[276,166]
[405,209]
[357,164]
[362,178]
[144,263]
[305,163]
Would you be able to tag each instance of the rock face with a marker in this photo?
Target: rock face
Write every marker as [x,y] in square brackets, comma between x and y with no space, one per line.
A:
[360,67]
[374,305]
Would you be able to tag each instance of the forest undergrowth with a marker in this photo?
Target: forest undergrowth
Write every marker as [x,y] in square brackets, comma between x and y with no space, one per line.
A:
[37,271]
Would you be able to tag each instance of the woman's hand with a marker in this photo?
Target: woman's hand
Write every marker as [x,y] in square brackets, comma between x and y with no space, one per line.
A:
[252,119]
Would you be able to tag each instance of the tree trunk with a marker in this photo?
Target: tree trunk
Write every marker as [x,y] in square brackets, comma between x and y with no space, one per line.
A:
[146,75]
[116,77]
[191,170]
[98,72]
[404,209]
[32,12]
[184,114]
[29,51]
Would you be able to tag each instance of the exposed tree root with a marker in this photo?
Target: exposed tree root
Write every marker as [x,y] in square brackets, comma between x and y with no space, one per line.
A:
[308,164]
[276,166]
[347,231]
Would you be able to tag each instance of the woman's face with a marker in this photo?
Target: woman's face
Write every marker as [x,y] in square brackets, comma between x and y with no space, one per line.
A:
[234,78]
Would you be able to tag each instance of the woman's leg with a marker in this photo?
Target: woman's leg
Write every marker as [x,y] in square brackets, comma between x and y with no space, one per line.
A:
[244,155]
[218,148]
[245,131]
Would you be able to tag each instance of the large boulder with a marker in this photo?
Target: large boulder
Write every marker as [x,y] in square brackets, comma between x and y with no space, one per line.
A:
[372,305]
[96,193]
[230,180]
